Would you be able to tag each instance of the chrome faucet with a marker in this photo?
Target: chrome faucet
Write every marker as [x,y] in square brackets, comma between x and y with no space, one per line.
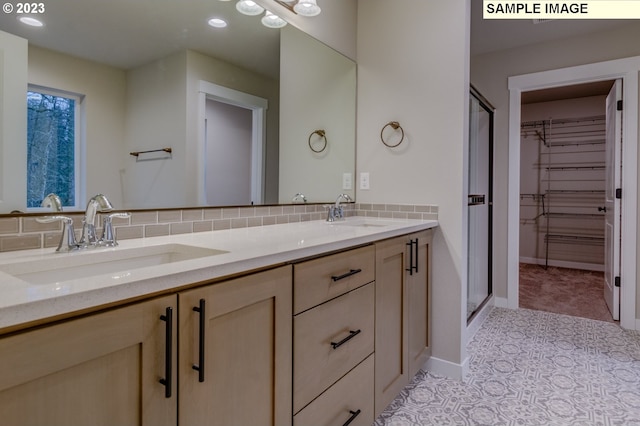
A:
[108,238]
[52,201]
[68,237]
[337,211]
[96,204]
[299,196]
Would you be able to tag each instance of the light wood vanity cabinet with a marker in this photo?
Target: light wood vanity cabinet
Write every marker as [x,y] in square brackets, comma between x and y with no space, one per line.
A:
[239,340]
[326,341]
[334,339]
[103,369]
[402,313]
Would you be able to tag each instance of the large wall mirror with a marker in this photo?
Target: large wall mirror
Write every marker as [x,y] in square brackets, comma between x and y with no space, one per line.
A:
[239,107]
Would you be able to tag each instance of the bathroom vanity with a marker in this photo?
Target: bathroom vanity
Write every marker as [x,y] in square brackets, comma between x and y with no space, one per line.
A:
[307,324]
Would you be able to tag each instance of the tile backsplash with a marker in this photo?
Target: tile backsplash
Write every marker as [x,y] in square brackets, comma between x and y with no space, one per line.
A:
[24,232]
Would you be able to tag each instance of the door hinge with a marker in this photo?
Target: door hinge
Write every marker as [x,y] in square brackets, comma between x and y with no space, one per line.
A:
[618,193]
[619,105]
[616,281]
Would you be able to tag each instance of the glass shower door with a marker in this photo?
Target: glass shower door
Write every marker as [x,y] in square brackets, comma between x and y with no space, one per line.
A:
[479,286]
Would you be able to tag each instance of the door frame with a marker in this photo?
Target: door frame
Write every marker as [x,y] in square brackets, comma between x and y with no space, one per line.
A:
[258,106]
[627,70]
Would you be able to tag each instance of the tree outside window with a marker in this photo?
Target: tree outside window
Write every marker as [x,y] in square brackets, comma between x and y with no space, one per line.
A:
[51,147]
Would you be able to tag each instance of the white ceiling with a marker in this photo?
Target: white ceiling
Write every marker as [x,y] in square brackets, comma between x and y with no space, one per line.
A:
[126,33]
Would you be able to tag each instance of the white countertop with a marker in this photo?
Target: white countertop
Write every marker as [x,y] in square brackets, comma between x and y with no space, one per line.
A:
[246,249]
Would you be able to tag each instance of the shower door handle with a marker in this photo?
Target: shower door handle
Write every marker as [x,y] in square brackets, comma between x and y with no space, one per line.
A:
[476,199]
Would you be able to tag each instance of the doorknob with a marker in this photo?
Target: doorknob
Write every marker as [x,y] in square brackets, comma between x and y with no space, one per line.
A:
[602,209]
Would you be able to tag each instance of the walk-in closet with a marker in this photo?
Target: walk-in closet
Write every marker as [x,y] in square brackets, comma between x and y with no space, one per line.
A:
[562,199]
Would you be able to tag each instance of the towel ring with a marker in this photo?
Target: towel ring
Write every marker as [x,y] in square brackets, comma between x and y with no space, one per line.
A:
[323,135]
[395,126]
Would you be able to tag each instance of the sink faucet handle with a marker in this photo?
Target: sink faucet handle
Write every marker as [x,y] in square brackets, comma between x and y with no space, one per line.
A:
[68,237]
[108,238]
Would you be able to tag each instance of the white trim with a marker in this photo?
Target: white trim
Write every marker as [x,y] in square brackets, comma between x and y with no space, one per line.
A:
[564,264]
[501,302]
[259,107]
[627,70]
[448,369]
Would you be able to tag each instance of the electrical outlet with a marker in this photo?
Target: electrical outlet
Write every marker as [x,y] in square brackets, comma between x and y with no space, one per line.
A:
[347,181]
[364,180]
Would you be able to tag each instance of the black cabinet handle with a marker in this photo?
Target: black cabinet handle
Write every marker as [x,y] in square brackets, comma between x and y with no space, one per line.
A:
[352,334]
[410,268]
[168,354]
[348,274]
[413,257]
[416,265]
[200,367]
[602,209]
[354,414]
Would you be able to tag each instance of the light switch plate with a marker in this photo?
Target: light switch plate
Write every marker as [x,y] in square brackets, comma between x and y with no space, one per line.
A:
[364,180]
[347,181]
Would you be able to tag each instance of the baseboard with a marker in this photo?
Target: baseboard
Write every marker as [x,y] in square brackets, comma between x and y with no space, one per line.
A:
[448,369]
[564,264]
[501,302]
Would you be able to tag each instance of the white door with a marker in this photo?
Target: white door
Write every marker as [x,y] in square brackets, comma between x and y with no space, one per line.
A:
[612,204]
[228,155]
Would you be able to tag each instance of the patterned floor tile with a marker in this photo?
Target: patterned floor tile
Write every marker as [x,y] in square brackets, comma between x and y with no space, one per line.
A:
[532,368]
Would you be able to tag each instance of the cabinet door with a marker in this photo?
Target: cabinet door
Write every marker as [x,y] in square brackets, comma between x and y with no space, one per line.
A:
[419,295]
[103,369]
[391,369]
[239,339]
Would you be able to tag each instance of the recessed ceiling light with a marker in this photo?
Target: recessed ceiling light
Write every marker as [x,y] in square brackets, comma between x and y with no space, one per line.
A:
[31,21]
[217,22]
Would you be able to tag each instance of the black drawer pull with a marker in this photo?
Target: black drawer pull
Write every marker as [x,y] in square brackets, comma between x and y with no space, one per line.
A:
[354,414]
[168,354]
[200,367]
[348,274]
[352,334]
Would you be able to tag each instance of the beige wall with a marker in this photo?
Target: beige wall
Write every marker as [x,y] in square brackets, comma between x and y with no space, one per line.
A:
[413,68]
[13,122]
[490,72]
[319,94]
[104,89]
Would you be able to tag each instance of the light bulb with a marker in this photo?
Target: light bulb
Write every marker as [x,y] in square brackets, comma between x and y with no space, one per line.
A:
[248,7]
[307,8]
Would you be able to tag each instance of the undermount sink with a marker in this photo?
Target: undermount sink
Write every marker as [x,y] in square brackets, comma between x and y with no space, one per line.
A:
[64,267]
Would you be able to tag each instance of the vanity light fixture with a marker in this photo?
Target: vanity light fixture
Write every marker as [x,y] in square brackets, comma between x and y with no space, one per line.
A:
[307,8]
[273,21]
[217,23]
[27,20]
[249,7]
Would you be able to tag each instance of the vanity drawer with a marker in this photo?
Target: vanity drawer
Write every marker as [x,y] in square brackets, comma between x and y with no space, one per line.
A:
[329,340]
[318,280]
[350,397]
